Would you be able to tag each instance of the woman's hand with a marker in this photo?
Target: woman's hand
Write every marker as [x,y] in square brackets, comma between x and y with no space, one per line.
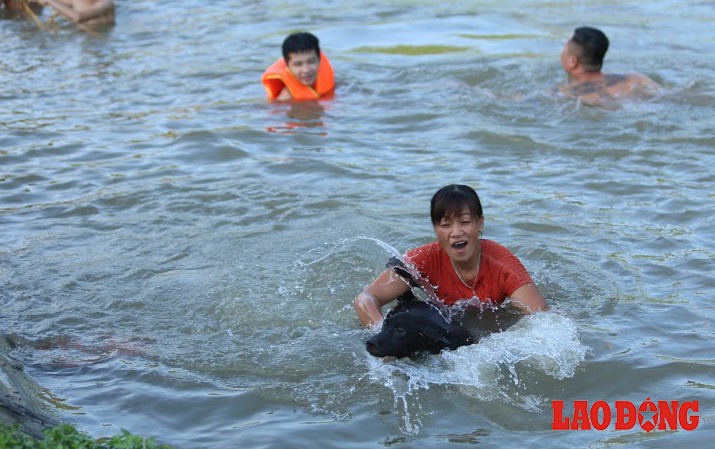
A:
[386,288]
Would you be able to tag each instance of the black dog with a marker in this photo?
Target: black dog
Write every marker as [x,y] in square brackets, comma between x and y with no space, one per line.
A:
[414,326]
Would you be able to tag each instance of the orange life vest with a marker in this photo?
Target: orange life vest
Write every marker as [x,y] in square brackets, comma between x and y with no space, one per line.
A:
[278,76]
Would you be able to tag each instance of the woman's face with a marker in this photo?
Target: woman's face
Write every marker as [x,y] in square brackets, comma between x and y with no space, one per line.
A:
[459,235]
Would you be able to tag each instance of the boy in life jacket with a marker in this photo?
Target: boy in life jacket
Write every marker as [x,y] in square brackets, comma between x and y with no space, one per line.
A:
[303,73]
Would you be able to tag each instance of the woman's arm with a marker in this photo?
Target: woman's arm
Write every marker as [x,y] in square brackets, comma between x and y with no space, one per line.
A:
[386,288]
[528,299]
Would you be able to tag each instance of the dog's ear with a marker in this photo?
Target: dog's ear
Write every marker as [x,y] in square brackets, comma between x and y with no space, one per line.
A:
[452,336]
[435,339]
[401,269]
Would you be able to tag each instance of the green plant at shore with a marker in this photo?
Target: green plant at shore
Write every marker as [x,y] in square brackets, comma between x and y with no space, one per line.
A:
[67,437]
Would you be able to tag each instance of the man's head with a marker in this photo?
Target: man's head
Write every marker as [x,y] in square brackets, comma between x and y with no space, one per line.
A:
[586,49]
[301,52]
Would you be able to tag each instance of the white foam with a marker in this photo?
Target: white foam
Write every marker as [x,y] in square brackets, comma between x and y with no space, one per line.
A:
[545,343]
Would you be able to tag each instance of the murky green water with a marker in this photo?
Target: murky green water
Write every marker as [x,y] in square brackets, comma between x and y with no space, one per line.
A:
[179,258]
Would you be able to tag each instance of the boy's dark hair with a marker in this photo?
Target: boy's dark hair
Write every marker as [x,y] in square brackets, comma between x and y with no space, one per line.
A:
[300,43]
[592,46]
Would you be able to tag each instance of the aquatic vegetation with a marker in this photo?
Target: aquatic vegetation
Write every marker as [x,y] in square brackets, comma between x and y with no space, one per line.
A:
[65,436]
[412,50]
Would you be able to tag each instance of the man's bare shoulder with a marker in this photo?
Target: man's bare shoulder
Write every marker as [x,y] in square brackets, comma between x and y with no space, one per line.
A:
[612,87]
[631,85]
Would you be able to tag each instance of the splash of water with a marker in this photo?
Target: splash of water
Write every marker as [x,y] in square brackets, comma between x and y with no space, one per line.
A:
[341,243]
[545,343]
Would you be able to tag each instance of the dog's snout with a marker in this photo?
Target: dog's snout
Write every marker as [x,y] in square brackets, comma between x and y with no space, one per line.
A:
[372,346]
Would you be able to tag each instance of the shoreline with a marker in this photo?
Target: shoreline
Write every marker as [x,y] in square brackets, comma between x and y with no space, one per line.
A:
[19,401]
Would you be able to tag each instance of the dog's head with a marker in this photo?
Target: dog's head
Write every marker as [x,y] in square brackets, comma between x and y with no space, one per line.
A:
[416,326]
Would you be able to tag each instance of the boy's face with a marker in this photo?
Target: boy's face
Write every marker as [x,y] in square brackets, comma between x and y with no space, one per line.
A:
[304,66]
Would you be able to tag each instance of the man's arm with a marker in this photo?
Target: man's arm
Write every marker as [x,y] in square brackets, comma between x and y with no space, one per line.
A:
[644,83]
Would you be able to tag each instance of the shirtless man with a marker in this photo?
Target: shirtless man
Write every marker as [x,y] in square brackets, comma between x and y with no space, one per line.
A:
[582,59]
[89,13]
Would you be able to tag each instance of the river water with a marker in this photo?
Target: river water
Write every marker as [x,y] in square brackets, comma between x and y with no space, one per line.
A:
[179,258]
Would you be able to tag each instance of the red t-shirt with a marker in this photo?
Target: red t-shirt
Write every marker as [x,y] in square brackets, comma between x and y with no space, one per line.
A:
[500,273]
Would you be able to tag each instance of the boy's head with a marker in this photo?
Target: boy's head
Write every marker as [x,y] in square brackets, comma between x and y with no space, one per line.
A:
[300,43]
[301,52]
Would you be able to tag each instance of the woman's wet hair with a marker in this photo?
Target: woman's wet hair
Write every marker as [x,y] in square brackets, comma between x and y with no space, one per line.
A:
[300,43]
[450,201]
[592,46]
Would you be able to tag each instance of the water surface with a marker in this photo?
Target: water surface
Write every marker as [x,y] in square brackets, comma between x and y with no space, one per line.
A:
[179,258]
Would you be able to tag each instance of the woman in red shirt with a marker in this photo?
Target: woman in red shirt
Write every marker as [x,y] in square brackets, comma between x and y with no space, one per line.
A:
[458,266]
